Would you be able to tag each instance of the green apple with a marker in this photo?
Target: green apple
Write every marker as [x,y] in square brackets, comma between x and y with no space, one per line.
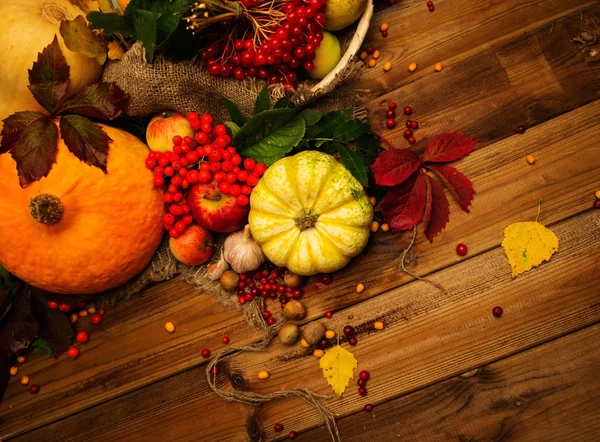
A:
[327,56]
[342,13]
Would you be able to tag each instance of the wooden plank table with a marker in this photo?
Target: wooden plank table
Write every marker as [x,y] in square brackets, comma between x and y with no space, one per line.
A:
[444,368]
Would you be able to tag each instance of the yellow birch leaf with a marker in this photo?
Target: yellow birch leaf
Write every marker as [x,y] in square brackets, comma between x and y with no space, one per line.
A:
[527,245]
[115,50]
[338,365]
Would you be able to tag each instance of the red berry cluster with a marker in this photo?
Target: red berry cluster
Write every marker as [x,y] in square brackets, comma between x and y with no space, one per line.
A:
[430,6]
[207,157]
[410,124]
[349,333]
[363,377]
[291,45]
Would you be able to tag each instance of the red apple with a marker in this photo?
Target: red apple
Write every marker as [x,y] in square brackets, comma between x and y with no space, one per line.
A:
[215,211]
[193,247]
[163,127]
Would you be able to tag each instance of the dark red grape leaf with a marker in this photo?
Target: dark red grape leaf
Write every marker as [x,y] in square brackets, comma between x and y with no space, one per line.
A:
[55,326]
[19,327]
[13,128]
[403,205]
[440,209]
[459,185]
[86,140]
[105,101]
[393,166]
[428,197]
[448,146]
[49,77]
[35,151]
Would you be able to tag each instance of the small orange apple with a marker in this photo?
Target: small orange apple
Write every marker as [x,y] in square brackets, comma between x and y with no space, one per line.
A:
[193,247]
[163,127]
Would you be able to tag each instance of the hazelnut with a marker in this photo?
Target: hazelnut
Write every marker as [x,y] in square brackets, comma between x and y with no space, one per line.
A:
[288,334]
[294,310]
[229,280]
[313,333]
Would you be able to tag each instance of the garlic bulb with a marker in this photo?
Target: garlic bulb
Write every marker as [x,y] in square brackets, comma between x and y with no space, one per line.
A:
[215,270]
[243,253]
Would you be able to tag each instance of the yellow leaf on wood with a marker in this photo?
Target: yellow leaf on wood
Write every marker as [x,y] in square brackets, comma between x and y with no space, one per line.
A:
[338,366]
[527,245]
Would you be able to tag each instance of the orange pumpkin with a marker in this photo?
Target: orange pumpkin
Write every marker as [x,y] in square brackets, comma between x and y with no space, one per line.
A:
[79,230]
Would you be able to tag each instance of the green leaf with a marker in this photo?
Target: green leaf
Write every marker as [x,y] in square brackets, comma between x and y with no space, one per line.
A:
[49,76]
[261,125]
[311,116]
[35,151]
[353,163]
[262,101]
[86,140]
[110,23]
[234,112]
[40,347]
[320,143]
[81,39]
[13,128]
[105,101]
[144,23]
[368,147]
[350,130]
[326,126]
[168,16]
[278,143]
[283,102]
[234,128]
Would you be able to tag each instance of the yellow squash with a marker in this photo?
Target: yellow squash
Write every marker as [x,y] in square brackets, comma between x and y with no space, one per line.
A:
[310,214]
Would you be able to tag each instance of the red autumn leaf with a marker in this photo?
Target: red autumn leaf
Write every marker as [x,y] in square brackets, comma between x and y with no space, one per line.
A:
[86,140]
[439,210]
[448,146]
[403,205]
[428,201]
[459,185]
[393,166]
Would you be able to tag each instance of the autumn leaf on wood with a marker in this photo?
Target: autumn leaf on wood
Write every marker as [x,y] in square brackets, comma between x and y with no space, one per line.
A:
[448,146]
[83,40]
[403,205]
[416,196]
[393,166]
[338,366]
[527,245]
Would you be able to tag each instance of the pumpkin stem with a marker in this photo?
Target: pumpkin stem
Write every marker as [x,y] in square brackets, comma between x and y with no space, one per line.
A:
[306,219]
[46,208]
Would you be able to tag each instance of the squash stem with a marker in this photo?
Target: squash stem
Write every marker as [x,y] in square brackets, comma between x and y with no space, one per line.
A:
[306,219]
[46,208]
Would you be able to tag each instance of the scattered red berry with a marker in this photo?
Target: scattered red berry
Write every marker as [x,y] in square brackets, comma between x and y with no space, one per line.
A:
[328,314]
[408,110]
[392,105]
[271,321]
[362,391]
[414,124]
[497,311]
[100,311]
[390,113]
[64,307]
[408,124]
[411,140]
[82,337]
[326,279]
[361,383]
[352,341]
[408,133]
[34,389]
[431,8]
[364,375]
[390,123]
[597,204]
[292,435]
[52,304]
[461,249]
[520,129]
[225,340]
[205,353]
[348,330]
[278,427]
[73,352]
[370,49]
[384,34]
[96,319]
[368,408]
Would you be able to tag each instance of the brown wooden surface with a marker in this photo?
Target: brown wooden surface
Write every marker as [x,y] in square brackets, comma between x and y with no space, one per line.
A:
[506,63]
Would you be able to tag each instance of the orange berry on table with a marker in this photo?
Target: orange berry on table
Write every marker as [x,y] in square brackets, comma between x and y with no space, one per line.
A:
[21,359]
